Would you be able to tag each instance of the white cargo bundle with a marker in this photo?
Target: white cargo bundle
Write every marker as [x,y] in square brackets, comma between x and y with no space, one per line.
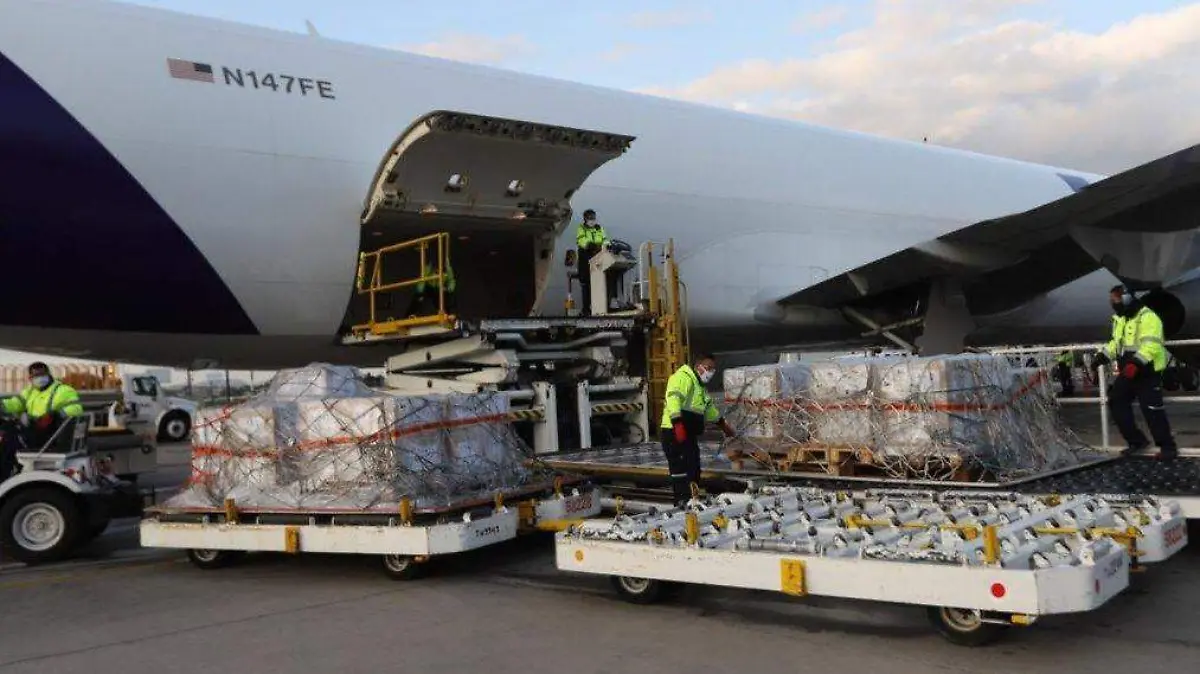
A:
[341,445]
[916,416]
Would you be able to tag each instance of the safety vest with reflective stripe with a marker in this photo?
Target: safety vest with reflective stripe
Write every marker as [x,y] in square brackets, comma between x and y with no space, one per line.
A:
[57,397]
[590,237]
[685,393]
[1140,338]
[436,282]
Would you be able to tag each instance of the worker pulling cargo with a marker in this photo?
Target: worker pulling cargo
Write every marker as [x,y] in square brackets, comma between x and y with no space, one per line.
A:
[1138,347]
[590,238]
[426,304]
[686,409]
[43,406]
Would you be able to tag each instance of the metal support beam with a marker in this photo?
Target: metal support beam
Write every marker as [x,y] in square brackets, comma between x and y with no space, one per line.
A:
[859,316]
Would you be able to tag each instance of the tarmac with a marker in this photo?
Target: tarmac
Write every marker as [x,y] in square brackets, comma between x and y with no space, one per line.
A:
[507,609]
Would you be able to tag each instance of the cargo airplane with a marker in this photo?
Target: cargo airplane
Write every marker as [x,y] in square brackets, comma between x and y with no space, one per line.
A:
[175,188]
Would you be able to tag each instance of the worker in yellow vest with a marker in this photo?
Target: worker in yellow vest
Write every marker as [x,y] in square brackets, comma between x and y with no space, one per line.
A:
[1138,347]
[43,406]
[685,410]
[590,238]
[426,303]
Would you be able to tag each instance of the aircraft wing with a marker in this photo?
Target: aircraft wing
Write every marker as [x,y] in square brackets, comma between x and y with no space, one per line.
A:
[1141,224]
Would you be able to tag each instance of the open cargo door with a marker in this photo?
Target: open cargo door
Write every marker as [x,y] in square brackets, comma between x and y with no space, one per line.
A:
[499,188]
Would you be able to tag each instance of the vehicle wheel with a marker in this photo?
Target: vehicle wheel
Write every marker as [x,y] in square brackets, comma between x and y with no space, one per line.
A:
[402,567]
[213,559]
[641,590]
[174,427]
[964,627]
[1171,378]
[40,525]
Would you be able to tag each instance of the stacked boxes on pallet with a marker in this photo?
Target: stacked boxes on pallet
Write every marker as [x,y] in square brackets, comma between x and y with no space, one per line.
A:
[319,438]
[904,412]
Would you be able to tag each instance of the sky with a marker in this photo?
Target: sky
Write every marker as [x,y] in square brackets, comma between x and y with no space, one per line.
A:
[1095,85]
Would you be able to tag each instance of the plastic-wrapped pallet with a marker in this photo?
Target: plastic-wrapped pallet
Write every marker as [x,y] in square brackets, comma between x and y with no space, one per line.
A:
[766,402]
[342,442]
[841,402]
[478,449]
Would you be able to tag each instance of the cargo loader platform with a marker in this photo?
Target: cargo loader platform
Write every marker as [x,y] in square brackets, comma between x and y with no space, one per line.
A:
[978,562]
[405,537]
[1100,473]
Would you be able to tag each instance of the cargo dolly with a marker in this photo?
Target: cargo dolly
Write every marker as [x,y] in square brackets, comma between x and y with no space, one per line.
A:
[405,537]
[978,562]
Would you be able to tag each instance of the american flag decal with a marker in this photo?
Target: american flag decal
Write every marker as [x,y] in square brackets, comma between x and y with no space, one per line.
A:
[189,70]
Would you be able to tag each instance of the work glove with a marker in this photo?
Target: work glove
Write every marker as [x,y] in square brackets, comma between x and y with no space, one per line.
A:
[1130,370]
[43,422]
[680,431]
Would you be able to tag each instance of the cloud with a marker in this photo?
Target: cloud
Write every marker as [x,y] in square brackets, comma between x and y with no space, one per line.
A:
[978,78]
[821,19]
[620,52]
[674,18]
[475,48]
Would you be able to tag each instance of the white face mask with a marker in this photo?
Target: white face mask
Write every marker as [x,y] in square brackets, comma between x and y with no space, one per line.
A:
[705,376]
[41,381]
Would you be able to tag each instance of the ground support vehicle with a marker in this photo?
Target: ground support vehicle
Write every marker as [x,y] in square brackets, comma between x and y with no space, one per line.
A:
[64,494]
[404,538]
[979,562]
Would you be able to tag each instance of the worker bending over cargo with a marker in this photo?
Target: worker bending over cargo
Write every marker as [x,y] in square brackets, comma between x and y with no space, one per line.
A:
[43,406]
[1138,347]
[425,297]
[686,409]
[590,238]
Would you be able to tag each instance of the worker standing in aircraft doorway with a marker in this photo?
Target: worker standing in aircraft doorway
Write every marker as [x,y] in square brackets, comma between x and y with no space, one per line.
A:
[589,239]
[1138,347]
[686,409]
[426,303]
[1064,369]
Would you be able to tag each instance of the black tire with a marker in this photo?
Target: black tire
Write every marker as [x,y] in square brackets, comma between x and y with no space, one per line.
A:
[210,560]
[41,525]
[1171,378]
[964,627]
[402,567]
[175,427]
[642,590]
[1190,379]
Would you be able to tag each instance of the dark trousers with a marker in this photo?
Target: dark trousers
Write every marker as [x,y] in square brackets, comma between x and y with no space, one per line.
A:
[683,464]
[1147,389]
[1062,372]
[583,258]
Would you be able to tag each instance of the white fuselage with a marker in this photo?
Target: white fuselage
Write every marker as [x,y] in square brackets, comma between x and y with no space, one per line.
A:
[264,189]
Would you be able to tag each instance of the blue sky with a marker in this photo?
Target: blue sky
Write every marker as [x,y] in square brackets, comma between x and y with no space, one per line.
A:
[662,42]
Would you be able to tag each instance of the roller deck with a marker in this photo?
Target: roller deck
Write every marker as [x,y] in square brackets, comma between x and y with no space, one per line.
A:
[1177,479]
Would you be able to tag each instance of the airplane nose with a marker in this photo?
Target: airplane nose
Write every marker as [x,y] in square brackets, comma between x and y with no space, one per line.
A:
[82,244]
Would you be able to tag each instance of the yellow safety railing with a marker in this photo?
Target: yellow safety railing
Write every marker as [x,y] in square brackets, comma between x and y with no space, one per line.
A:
[369,281]
[667,347]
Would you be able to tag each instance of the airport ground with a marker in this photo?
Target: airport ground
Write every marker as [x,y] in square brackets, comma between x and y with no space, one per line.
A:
[507,609]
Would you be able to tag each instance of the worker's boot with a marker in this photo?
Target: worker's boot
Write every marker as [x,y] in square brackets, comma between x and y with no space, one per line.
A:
[1134,449]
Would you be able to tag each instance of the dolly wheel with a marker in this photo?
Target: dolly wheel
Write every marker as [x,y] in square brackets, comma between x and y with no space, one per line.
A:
[642,590]
[213,559]
[402,567]
[963,626]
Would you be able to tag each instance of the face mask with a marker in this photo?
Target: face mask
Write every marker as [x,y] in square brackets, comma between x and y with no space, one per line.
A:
[41,381]
[705,376]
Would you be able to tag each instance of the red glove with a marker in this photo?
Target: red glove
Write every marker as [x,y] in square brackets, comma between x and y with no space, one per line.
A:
[43,422]
[680,431]
[1130,370]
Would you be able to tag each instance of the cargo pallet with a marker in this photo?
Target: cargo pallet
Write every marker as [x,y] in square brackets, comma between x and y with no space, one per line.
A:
[406,538]
[977,562]
[841,461]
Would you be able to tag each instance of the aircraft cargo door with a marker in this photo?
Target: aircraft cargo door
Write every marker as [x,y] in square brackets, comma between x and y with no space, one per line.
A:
[486,196]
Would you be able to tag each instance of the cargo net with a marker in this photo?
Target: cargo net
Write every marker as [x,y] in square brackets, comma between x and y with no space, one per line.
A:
[319,438]
[967,417]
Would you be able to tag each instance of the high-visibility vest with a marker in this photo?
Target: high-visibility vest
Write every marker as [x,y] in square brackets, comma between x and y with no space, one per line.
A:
[436,282]
[1140,338]
[686,395]
[58,397]
[590,237]
[1066,358]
